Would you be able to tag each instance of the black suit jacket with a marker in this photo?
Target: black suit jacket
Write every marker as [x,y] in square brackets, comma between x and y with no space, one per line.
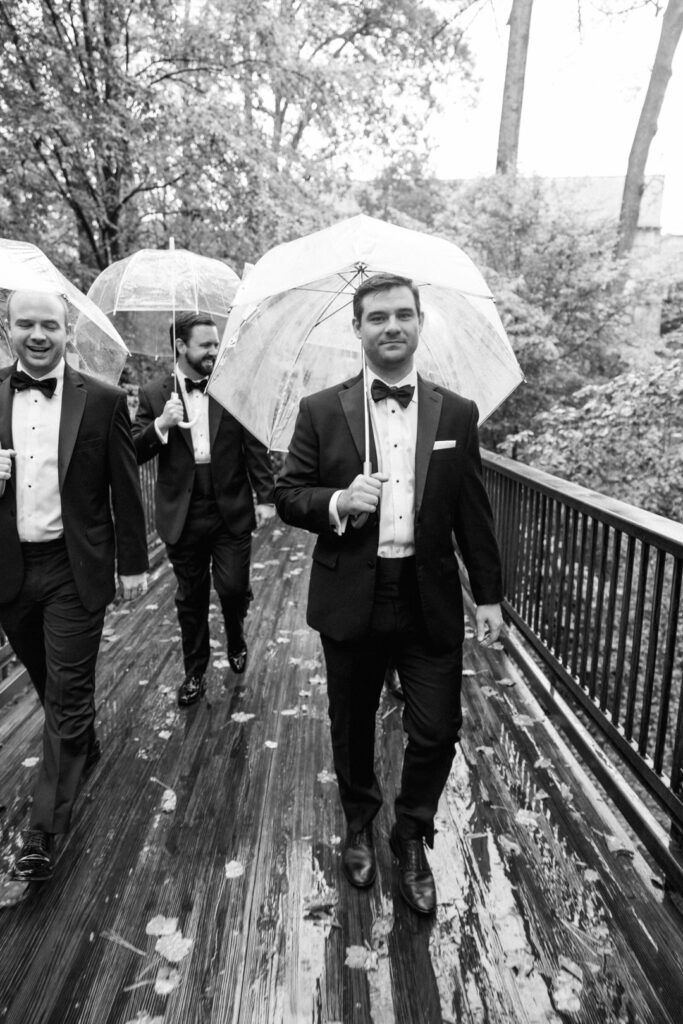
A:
[326,454]
[238,463]
[97,474]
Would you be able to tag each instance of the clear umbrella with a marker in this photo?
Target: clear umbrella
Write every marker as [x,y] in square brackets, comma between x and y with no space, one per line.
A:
[290,334]
[96,346]
[135,290]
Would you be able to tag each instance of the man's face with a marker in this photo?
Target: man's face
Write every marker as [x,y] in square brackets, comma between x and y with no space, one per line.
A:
[198,354]
[38,330]
[389,330]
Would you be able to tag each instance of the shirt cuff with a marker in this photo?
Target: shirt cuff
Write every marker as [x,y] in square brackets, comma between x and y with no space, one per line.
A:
[161,434]
[337,524]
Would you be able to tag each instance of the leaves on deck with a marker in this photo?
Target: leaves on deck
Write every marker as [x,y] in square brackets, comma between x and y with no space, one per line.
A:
[161,925]
[566,987]
[233,869]
[242,716]
[326,776]
[362,958]
[270,744]
[173,947]
[168,797]
[12,891]
[168,979]
[30,762]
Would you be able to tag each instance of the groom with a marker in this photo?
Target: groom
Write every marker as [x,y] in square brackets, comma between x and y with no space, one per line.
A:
[384,585]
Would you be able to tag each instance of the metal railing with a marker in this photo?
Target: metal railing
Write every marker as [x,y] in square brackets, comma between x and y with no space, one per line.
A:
[594,585]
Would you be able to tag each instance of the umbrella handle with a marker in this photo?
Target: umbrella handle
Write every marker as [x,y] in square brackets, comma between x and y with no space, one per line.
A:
[186,424]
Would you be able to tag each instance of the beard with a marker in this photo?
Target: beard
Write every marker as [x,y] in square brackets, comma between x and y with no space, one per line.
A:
[202,365]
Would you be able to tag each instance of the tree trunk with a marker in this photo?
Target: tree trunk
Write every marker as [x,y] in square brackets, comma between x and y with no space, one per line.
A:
[672,26]
[513,90]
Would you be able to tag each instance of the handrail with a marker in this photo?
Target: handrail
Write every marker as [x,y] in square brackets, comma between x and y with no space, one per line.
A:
[594,585]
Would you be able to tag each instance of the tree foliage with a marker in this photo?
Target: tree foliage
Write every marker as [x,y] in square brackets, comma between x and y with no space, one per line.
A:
[623,437]
[219,121]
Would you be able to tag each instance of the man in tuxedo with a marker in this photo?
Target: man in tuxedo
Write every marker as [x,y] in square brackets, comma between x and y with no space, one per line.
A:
[384,585]
[205,514]
[66,461]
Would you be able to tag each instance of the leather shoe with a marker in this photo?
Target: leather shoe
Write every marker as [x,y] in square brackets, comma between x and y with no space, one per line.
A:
[415,878]
[392,683]
[238,660]
[35,861]
[190,690]
[358,857]
[93,756]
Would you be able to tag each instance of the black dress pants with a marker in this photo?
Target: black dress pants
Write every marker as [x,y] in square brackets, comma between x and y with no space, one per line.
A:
[206,545]
[432,715]
[57,640]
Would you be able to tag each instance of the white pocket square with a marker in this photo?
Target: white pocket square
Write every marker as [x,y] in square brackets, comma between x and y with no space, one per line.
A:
[439,445]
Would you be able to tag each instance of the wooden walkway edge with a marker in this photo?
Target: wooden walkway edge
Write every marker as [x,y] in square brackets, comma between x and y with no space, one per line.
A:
[548,912]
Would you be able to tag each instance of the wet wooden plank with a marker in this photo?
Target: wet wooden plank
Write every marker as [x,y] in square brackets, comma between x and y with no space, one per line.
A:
[547,911]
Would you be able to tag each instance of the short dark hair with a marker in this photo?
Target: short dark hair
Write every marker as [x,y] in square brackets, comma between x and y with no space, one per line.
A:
[184,322]
[382,283]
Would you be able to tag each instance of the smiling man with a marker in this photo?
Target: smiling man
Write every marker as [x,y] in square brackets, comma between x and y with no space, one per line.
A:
[66,461]
[384,584]
[205,509]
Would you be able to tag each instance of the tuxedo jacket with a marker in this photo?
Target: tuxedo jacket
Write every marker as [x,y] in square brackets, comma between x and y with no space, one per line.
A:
[326,454]
[98,475]
[238,463]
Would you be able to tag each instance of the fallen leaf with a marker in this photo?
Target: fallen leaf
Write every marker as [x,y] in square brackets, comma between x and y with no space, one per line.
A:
[242,716]
[508,845]
[290,711]
[317,680]
[565,992]
[524,720]
[168,979]
[12,891]
[326,776]
[468,672]
[543,762]
[304,693]
[526,818]
[221,663]
[168,801]
[161,925]
[618,846]
[505,681]
[143,682]
[271,744]
[151,607]
[361,957]
[233,869]
[173,947]
[30,762]
[164,734]
[295,661]
[282,640]
[214,644]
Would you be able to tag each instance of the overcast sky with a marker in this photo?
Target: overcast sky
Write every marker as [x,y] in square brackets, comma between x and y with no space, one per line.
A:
[583,94]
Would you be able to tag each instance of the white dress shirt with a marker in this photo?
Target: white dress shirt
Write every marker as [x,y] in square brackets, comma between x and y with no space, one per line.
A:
[35,437]
[197,406]
[395,433]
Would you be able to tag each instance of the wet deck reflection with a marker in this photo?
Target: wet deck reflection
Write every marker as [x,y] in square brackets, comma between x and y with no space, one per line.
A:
[547,911]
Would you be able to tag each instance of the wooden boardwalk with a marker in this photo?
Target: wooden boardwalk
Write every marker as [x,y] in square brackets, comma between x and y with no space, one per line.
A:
[547,910]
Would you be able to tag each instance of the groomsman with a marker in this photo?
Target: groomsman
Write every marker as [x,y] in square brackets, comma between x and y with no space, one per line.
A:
[209,469]
[70,515]
[385,589]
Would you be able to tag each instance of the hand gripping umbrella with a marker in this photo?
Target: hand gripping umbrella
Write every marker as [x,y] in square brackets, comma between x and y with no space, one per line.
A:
[136,289]
[290,332]
[96,346]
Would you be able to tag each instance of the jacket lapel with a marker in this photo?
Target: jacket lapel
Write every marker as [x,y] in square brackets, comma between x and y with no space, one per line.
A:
[74,396]
[215,414]
[6,412]
[352,399]
[428,413]
[167,390]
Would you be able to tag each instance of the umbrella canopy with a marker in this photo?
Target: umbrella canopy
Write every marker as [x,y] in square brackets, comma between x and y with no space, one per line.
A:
[96,346]
[134,291]
[290,333]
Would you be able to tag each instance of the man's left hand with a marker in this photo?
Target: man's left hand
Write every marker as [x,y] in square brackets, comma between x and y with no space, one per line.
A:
[489,619]
[133,586]
[263,514]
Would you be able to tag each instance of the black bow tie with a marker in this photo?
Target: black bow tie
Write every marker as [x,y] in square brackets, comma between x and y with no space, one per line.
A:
[198,385]
[403,395]
[20,381]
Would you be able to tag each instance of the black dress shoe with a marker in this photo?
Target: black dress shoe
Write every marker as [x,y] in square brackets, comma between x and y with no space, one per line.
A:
[358,857]
[190,690]
[238,660]
[415,878]
[35,861]
[93,756]
[392,683]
